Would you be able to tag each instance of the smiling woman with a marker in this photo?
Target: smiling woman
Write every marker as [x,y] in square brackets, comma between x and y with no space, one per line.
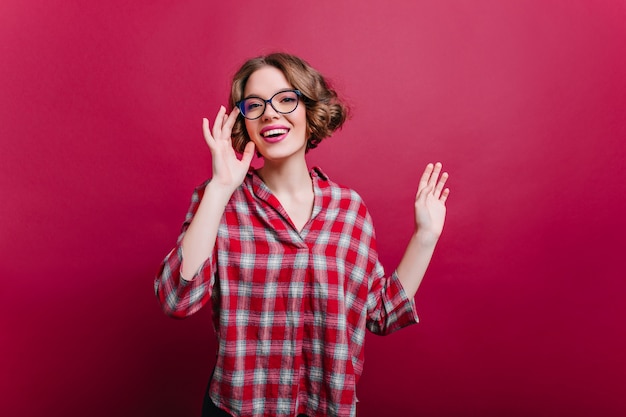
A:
[523,304]
[286,256]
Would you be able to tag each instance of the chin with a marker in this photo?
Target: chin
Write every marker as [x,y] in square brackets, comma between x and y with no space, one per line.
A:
[277,152]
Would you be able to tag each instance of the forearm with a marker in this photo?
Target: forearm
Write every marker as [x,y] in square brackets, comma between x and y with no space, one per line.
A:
[199,239]
[415,261]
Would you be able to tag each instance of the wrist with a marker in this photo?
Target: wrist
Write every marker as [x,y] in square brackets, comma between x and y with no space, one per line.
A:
[425,238]
[218,192]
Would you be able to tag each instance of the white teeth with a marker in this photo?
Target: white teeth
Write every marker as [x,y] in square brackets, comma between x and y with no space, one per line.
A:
[274,132]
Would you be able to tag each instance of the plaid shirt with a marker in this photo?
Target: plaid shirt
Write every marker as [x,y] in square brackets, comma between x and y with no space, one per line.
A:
[290,308]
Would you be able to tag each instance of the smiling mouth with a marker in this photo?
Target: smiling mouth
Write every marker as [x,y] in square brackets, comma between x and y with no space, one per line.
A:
[274,133]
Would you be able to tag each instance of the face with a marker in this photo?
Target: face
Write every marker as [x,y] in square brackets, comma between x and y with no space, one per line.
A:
[277,136]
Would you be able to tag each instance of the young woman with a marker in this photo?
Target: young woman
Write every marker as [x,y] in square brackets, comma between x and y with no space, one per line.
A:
[286,256]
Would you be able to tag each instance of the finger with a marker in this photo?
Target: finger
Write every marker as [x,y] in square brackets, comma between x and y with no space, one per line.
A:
[444,195]
[435,175]
[440,184]
[207,132]
[230,122]
[219,121]
[248,153]
[423,193]
[425,176]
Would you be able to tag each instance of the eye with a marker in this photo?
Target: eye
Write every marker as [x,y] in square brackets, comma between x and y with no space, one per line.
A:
[286,97]
[252,104]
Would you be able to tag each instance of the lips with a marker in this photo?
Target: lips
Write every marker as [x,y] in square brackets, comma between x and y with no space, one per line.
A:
[273,134]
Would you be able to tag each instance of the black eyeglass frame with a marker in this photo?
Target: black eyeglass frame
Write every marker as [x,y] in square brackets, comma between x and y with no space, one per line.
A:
[239,104]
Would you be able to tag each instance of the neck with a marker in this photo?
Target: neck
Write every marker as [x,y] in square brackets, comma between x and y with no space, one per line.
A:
[286,177]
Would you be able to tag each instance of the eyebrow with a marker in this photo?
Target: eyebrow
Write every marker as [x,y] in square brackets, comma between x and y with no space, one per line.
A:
[258,96]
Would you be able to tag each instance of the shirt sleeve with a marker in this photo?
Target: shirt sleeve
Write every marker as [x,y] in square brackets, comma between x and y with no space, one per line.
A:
[388,306]
[179,297]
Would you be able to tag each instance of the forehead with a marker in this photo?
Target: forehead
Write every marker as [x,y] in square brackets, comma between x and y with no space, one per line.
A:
[266,81]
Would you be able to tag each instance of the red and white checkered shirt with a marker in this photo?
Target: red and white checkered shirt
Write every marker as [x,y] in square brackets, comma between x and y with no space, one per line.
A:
[290,308]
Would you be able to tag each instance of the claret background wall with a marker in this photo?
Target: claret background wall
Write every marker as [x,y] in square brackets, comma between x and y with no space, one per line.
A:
[522,311]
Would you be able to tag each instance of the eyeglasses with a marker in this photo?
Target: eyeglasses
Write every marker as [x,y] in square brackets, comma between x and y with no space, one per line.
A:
[283,102]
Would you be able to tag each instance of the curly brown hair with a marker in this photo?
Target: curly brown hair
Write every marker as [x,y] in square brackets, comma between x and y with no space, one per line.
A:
[325,113]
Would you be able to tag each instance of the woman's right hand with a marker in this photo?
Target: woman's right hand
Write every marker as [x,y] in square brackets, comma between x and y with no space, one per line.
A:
[228,170]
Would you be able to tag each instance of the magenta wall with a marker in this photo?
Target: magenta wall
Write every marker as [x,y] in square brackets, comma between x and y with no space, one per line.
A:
[522,311]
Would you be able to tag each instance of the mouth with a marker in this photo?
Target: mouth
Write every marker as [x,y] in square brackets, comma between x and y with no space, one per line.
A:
[273,135]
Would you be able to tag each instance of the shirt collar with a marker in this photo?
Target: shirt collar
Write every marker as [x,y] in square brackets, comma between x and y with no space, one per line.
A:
[262,190]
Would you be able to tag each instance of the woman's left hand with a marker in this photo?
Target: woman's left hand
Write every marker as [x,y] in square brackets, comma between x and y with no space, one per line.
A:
[430,203]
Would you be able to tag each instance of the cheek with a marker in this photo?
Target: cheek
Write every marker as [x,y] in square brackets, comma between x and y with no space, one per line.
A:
[249,126]
[301,118]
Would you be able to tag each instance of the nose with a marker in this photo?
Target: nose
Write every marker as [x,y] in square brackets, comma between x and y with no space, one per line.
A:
[269,112]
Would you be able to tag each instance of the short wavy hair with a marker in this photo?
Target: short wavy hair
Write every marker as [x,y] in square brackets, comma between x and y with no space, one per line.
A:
[325,113]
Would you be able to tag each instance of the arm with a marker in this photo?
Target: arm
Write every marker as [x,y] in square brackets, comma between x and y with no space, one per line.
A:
[228,173]
[179,285]
[390,299]
[430,214]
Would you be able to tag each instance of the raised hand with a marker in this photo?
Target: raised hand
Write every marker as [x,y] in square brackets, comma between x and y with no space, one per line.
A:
[430,202]
[228,170]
